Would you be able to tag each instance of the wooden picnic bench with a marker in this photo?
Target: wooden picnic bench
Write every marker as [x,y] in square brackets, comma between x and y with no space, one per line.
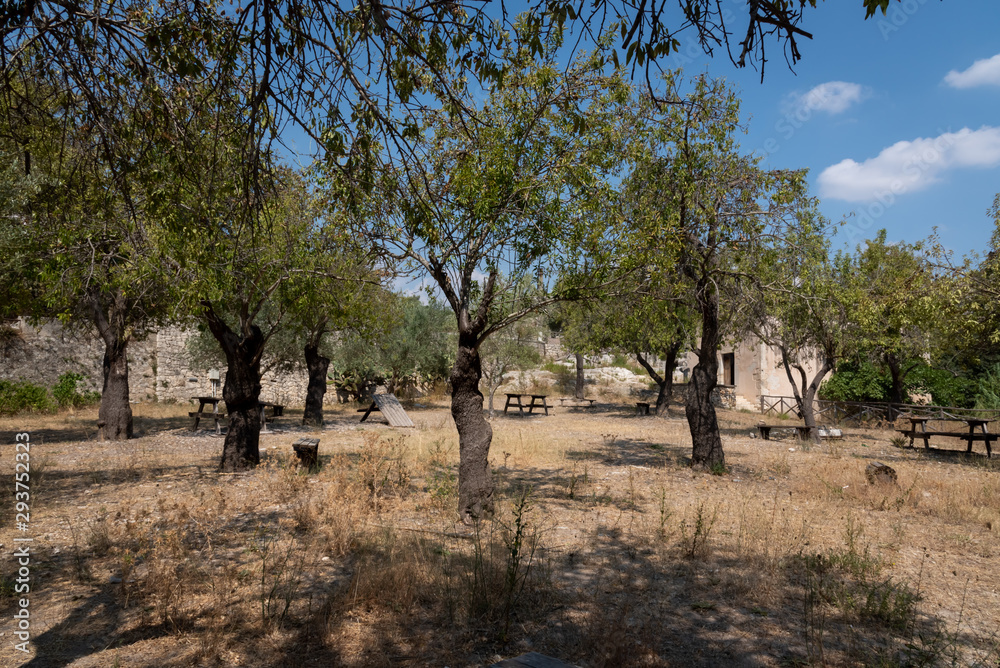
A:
[307,450]
[532,660]
[801,430]
[918,429]
[573,402]
[642,408]
[515,399]
[202,413]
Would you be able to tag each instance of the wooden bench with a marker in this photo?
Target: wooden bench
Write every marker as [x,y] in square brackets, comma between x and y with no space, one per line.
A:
[307,450]
[277,410]
[532,660]
[573,402]
[802,430]
[515,399]
[642,408]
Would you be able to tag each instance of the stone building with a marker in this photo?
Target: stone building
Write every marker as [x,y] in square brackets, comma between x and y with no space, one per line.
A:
[747,371]
[160,367]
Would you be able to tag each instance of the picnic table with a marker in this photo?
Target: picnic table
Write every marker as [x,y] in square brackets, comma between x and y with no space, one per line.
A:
[277,410]
[202,413]
[918,429]
[537,401]
[388,405]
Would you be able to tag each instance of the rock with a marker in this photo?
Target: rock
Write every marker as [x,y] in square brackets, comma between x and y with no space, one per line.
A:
[880,474]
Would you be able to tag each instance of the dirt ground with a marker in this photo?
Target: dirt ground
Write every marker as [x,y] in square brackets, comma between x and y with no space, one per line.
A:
[606,550]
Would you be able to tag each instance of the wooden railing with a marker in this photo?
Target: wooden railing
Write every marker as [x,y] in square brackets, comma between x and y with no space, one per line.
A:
[869,411]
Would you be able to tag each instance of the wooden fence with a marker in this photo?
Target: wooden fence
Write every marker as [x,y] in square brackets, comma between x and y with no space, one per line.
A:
[836,412]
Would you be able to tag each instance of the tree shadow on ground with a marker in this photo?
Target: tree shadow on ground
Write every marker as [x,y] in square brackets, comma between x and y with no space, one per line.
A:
[90,628]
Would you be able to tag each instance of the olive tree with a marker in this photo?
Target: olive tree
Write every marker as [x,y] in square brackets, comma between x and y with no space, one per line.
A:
[496,191]
[710,209]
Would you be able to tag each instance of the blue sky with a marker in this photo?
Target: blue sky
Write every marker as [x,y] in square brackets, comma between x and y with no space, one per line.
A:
[897,118]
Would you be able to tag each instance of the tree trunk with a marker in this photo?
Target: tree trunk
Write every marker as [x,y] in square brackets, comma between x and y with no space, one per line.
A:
[114,419]
[666,393]
[897,392]
[317,366]
[580,381]
[241,392]
[702,421]
[806,399]
[475,484]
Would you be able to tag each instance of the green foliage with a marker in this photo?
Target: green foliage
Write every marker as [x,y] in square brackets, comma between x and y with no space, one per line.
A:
[24,397]
[945,387]
[66,393]
[988,389]
[565,376]
[856,381]
[863,381]
[417,348]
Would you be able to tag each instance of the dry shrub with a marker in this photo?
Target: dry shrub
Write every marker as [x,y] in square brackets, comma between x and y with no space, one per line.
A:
[396,573]
[166,588]
[381,469]
[766,537]
[342,510]
[962,499]
[618,632]
[282,477]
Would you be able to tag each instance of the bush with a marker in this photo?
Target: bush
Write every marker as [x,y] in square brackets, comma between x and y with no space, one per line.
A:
[945,388]
[854,381]
[988,389]
[67,395]
[23,397]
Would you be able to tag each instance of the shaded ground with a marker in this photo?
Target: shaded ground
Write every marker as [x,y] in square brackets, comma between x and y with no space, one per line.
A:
[144,555]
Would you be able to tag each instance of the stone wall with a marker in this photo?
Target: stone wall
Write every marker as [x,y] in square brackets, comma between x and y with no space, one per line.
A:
[160,368]
[49,350]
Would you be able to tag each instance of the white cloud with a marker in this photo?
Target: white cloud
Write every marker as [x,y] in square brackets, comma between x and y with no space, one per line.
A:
[833,97]
[982,73]
[909,166]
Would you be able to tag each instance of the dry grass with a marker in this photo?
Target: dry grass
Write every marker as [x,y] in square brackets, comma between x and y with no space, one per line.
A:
[607,550]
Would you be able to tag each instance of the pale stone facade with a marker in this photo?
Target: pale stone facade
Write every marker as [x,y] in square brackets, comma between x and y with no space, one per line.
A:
[752,369]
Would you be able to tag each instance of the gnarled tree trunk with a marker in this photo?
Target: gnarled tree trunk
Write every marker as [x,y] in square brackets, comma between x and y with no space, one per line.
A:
[702,421]
[317,366]
[241,392]
[475,484]
[114,418]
